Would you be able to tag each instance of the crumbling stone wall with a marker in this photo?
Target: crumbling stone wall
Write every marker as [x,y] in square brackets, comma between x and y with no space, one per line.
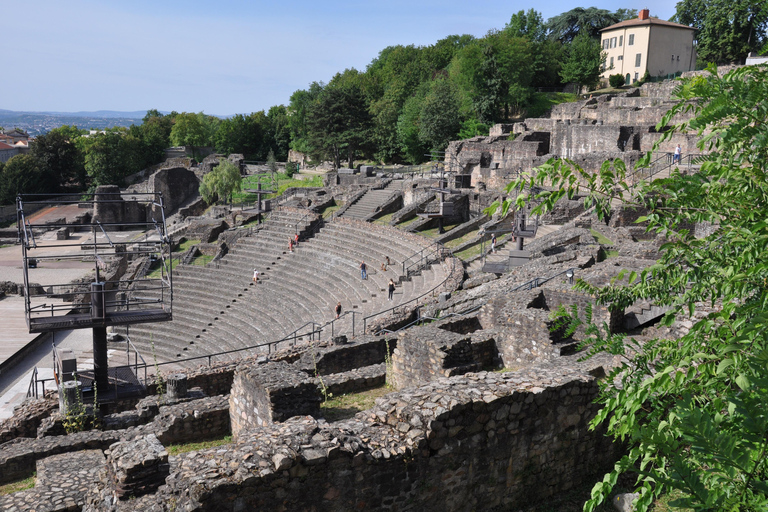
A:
[469,443]
[271,393]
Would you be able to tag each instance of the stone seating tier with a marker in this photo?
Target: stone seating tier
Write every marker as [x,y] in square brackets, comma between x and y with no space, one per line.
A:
[292,297]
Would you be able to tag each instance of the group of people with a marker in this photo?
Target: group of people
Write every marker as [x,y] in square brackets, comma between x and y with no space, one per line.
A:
[293,242]
[364,275]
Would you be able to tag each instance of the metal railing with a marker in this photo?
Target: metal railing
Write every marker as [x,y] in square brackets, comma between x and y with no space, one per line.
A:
[423,258]
[421,319]
[538,281]
[394,309]
[59,375]
[661,163]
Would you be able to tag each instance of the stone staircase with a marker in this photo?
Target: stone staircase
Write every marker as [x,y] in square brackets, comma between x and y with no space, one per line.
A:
[367,204]
[218,308]
[642,313]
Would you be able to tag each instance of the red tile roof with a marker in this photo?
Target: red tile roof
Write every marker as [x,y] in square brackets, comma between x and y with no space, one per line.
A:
[636,22]
[3,145]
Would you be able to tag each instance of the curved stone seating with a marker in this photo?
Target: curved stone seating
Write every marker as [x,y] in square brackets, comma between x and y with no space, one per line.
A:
[217,307]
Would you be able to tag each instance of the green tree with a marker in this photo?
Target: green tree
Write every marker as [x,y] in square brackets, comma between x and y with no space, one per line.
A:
[298,116]
[582,65]
[691,411]
[339,121]
[23,174]
[111,156]
[566,26]
[440,119]
[57,153]
[528,24]
[726,31]
[190,129]
[413,147]
[221,183]
[155,133]
[242,134]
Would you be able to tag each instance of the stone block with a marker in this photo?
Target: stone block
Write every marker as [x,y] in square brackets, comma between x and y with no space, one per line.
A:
[137,467]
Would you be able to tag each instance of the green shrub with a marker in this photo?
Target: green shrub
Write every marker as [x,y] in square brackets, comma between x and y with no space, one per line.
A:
[616,80]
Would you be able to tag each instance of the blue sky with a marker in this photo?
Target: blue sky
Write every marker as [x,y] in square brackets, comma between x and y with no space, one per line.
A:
[220,57]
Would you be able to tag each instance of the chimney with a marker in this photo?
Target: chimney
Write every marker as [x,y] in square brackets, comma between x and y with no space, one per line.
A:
[644,14]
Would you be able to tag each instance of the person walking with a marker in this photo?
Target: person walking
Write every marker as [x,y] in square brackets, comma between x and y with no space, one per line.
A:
[337,309]
[391,289]
[678,154]
[296,240]
[255,276]
[363,270]
[290,244]
[493,244]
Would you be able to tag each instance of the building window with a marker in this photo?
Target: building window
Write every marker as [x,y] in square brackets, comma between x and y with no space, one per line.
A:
[631,40]
[637,77]
[637,59]
[620,57]
[605,44]
[621,40]
[613,42]
[611,62]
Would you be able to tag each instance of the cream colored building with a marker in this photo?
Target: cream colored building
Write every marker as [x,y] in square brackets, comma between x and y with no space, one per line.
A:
[646,43]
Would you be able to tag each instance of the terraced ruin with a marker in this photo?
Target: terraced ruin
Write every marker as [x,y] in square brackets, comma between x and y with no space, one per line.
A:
[486,406]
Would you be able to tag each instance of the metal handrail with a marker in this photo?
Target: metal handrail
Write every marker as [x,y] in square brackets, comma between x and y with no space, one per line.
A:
[448,254]
[421,319]
[538,281]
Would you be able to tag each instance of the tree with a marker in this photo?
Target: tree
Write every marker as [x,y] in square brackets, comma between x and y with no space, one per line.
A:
[221,183]
[111,156]
[566,26]
[58,154]
[692,411]
[584,60]
[527,24]
[298,116]
[155,133]
[22,174]
[440,120]
[339,121]
[190,129]
[242,134]
[726,31]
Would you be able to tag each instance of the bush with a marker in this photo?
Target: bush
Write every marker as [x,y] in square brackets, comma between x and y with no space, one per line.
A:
[616,81]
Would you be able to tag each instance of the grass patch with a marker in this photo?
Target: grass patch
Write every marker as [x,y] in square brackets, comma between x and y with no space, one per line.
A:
[346,406]
[543,101]
[469,253]
[330,210]
[433,232]
[186,244]
[611,253]
[176,449]
[21,485]
[156,267]
[202,260]
[283,183]
[601,239]
[384,219]
[460,240]
[408,222]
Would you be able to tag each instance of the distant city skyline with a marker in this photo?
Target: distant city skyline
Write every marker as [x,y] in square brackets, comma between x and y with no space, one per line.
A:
[223,58]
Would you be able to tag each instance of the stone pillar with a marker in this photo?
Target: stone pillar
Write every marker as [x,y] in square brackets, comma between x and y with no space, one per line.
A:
[137,467]
[270,393]
[70,394]
[177,386]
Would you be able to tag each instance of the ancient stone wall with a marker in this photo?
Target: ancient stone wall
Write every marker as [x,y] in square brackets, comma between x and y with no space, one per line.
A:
[271,393]
[469,443]
[176,184]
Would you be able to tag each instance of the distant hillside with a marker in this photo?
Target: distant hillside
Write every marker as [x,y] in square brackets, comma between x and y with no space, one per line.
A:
[36,123]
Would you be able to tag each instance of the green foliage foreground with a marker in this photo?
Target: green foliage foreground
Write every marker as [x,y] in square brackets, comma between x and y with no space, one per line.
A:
[693,411]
